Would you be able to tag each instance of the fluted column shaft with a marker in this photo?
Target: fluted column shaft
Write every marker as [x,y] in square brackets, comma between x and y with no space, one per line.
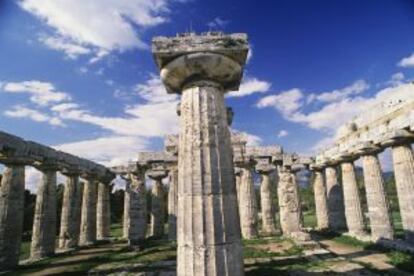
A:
[379,214]
[157,209]
[172,204]
[44,221]
[88,218]
[353,210]
[248,205]
[71,213]
[127,208]
[238,178]
[403,161]
[266,203]
[321,204]
[335,197]
[137,222]
[208,237]
[289,205]
[11,215]
[103,213]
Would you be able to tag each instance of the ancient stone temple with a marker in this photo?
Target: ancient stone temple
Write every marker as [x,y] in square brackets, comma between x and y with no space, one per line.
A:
[202,68]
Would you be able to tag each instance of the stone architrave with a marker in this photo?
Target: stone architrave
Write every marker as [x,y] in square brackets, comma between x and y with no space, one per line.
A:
[172,203]
[321,204]
[403,161]
[289,205]
[137,228]
[71,212]
[88,217]
[44,221]
[336,212]
[103,212]
[202,69]
[248,204]
[11,214]
[157,203]
[379,213]
[352,202]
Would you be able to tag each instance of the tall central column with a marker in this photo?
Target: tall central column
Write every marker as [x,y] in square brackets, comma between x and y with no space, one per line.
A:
[335,197]
[353,211]
[321,204]
[172,203]
[379,214]
[204,68]
[103,211]
[266,201]
[137,209]
[11,214]
[247,203]
[44,221]
[157,204]
[88,218]
[71,212]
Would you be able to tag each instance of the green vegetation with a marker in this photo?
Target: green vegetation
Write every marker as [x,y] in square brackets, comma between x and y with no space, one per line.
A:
[401,260]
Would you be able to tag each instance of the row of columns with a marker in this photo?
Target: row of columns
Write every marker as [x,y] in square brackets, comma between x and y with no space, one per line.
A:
[85,214]
[337,205]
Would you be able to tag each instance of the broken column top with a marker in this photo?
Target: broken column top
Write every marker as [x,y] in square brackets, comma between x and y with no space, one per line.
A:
[211,56]
[171,144]
[148,158]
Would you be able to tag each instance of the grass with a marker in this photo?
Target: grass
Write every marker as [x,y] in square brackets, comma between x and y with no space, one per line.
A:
[347,240]
[116,230]
[401,260]
[309,219]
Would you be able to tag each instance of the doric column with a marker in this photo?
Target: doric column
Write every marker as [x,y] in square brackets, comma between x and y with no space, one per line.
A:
[137,222]
[71,212]
[266,200]
[103,211]
[88,218]
[289,205]
[157,203]
[353,211]
[44,221]
[238,176]
[335,198]
[127,207]
[247,203]
[203,68]
[172,203]
[11,214]
[379,213]
[321,204]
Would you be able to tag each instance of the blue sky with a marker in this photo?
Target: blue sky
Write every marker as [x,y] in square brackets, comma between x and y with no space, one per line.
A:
[79,74]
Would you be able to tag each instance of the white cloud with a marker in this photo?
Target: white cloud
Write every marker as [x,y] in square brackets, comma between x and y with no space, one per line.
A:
[250,86]
[218,23]
[154,91]
[396,79]
[110,151]
[71,49]
[407,61]
[286,102]
[357,87]
[249,55]
[42,93]
[282,133]
[98,26]
[19,111]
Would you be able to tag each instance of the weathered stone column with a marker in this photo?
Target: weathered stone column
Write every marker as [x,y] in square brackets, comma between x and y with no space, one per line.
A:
[127,207]
[266,200]
[238,176]
[71,212]
[335,198]
[88,218]
[44,221]
[321,204]
[172,203]
[137,223]
[157,203]
[103,212]
[353,211]
[289,205]
[247,203]
[379,214]
[204,68]
[11,214]
[403,161]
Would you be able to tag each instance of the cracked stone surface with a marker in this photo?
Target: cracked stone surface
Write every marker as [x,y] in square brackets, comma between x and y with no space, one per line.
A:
[248,205]
[103,223]
[88,217]
[336,212]
[321,204]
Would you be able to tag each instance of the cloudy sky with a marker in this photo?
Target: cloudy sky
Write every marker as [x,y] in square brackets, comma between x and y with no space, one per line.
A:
[79,74]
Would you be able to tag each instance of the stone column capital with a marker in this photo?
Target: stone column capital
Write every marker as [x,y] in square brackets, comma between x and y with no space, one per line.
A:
[265,169]
[368,148]
[397,137]
[157,175]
